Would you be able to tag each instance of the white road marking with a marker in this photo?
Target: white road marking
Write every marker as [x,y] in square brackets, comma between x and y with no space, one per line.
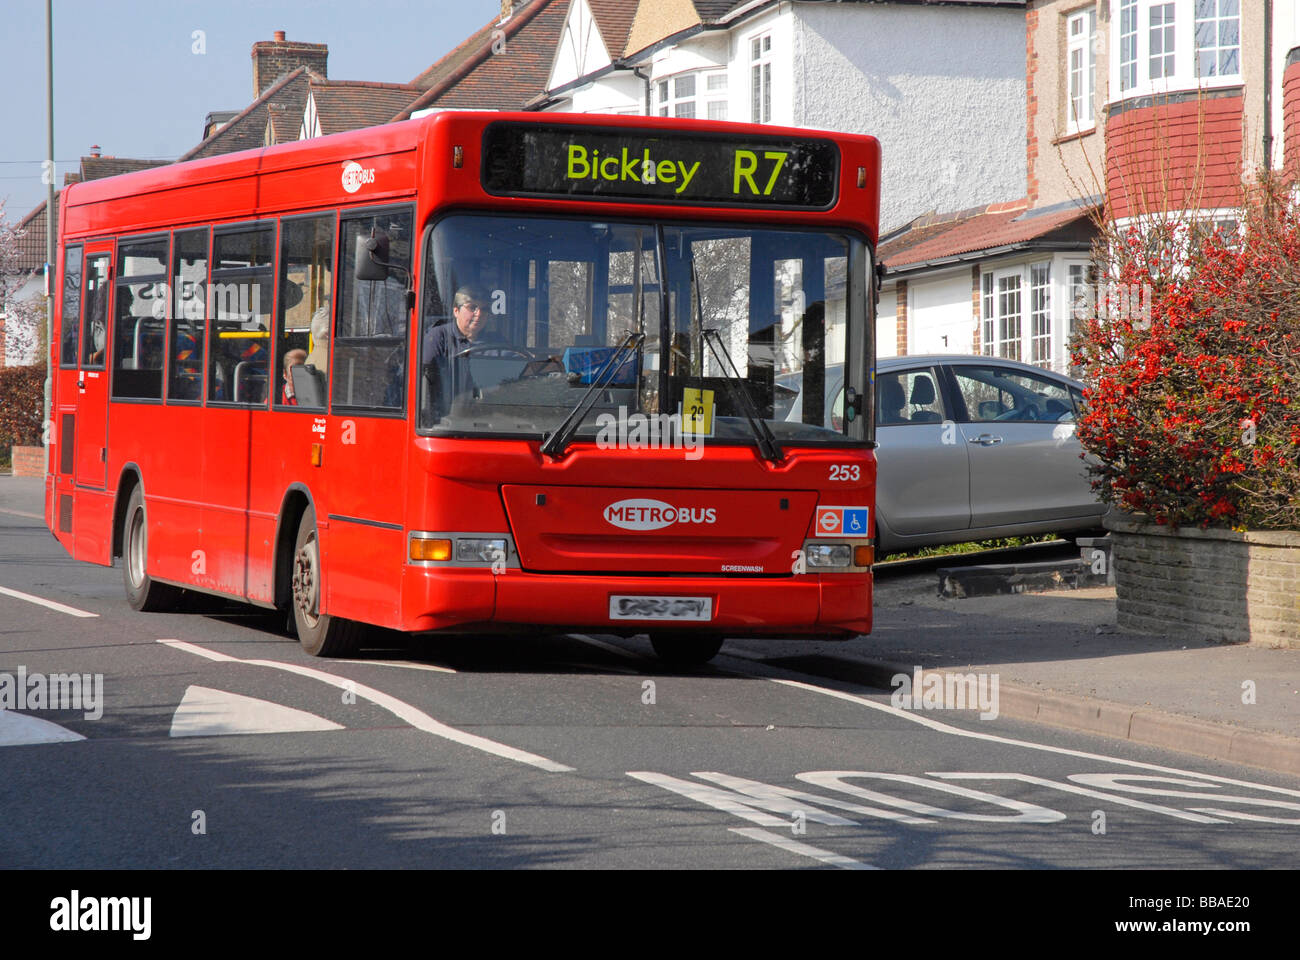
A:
[198,651]
[204,712]
[791,845]
[19,729]
[1081,791]
[22,513]
[724,800]
[404,711]
[406,666]
[939,727]
[50,604]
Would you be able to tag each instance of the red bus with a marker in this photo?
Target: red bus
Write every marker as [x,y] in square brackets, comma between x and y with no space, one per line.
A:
[479,373]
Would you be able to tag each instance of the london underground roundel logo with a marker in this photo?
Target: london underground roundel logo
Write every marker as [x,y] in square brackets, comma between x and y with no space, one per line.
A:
[355,175]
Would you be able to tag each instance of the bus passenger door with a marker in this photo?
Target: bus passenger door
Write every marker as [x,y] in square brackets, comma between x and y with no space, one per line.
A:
[92,380]
[92,504]
[67,373]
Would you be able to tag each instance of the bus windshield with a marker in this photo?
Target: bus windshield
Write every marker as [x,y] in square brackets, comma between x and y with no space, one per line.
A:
[529,321]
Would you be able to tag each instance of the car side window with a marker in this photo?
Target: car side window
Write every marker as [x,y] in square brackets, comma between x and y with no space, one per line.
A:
[908,396]
[999,394]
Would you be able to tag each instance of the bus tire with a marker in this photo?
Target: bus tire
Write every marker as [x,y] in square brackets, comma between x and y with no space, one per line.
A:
[142,592]
[685,650]
[320,634]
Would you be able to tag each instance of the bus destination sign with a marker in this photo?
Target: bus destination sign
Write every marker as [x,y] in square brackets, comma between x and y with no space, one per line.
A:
[567,161]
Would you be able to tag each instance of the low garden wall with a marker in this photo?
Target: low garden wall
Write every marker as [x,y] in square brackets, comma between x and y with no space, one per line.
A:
[1213,584]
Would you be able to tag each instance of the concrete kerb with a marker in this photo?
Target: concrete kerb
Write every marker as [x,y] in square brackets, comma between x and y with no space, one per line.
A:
[1142,725]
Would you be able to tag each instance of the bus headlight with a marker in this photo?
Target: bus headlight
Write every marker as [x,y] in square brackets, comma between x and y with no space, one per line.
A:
[830,555]
[474,550]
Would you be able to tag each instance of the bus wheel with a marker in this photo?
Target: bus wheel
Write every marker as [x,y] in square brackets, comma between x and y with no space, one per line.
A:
[686,650]
[320,634]
[142,592]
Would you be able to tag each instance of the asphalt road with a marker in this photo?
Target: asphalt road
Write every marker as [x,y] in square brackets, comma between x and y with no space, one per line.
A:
[222,745]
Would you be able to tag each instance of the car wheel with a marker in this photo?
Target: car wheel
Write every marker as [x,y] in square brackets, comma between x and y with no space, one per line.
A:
[685,650]
[142,591]
[320,634]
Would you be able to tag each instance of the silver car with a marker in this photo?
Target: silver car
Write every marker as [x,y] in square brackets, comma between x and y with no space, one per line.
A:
[970,448]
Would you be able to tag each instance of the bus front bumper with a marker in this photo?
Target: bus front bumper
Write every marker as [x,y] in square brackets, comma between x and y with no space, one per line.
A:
[478,601]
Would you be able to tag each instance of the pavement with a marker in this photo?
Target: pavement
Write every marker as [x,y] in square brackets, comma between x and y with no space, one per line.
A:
[1058,657]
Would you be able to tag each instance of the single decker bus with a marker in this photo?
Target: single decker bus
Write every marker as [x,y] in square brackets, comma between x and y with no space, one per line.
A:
[478,373]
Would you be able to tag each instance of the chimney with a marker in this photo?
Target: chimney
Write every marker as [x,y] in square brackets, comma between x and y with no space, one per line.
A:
[272,59]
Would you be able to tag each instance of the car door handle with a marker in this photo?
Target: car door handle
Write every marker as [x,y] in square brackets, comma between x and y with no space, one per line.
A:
[985,440]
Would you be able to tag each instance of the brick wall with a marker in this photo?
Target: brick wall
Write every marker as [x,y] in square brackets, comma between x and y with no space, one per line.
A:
[1210,584]
[1181,152]
[1291,114]
[976,308]
[900,317]
[28,461]
[3,337]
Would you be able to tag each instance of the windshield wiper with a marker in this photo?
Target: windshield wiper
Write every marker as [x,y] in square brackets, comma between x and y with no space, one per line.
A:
[767,445]
[557,442]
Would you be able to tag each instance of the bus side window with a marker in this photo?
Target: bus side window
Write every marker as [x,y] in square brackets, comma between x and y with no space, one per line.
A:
[70,318]
[370,333]
[239,358]
[188,313]
[139,327]
[303,317]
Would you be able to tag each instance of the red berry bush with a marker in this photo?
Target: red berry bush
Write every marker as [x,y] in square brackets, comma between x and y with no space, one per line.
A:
[1192,357]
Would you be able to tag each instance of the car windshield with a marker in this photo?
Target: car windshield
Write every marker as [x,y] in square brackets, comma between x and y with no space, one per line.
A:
[531,325]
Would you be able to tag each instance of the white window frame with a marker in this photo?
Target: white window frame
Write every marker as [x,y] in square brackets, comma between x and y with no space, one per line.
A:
[1130,69]
[1081,70]
[1041,335]
[695,104]
[1010,334]
[760,78]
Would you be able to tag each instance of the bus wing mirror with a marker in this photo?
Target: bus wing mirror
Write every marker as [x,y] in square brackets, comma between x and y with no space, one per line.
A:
[371,257]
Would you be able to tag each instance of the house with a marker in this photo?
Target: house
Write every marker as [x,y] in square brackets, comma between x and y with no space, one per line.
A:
[17,347]
[941,85]
[1134,109]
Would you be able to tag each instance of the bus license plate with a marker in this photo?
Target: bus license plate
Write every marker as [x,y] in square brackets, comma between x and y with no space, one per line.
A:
[660,608]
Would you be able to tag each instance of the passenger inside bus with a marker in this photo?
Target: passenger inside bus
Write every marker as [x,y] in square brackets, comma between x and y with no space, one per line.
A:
[293,358]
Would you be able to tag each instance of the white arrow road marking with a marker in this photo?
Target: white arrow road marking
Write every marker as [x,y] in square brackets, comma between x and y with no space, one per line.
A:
[18,729]
[399,708]
[803,849]
[50,604]
[204,712]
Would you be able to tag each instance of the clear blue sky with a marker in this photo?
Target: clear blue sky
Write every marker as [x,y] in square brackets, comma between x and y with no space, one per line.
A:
[126,77]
